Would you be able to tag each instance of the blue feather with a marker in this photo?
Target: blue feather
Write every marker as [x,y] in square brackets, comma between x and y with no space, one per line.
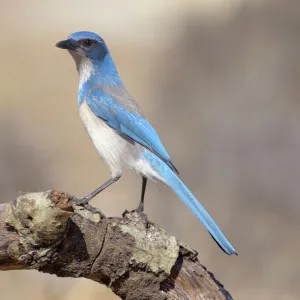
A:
[190,201]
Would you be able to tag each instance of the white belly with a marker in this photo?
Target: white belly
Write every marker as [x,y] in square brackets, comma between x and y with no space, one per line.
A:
[116,151]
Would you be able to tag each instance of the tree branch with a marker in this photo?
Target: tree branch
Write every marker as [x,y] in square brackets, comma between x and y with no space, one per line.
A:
[132,256]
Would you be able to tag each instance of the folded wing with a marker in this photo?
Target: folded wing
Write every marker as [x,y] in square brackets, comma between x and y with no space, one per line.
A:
[121,112]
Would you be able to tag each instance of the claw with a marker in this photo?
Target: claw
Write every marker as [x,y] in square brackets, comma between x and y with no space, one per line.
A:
[140,212]
[84,202]
[81,202]
[94,210]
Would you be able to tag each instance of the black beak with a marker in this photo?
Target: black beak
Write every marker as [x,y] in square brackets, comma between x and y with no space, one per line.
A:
[67,44]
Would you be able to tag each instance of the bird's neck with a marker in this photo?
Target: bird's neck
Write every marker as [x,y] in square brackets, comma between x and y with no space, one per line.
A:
[97,73]
[100,72]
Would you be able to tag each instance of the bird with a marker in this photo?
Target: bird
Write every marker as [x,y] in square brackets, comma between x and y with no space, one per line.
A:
[121,133]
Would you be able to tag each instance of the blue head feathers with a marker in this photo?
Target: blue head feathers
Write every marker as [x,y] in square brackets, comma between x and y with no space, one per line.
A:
[86,44]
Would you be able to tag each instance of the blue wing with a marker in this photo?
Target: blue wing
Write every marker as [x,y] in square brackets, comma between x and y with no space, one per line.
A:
[129,123]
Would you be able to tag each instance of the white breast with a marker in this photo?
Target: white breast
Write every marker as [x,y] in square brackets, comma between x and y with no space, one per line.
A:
[109,144]
[116,151]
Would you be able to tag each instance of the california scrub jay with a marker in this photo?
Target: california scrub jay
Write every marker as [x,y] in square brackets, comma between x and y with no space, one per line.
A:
[119,130]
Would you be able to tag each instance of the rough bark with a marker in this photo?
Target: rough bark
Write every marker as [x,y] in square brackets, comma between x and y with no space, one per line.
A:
[132,256]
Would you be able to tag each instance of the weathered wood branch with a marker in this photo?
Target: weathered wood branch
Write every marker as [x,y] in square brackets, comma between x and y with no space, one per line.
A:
[132,256]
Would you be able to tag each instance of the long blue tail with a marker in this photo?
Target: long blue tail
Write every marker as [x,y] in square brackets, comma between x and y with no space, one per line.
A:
[192,203]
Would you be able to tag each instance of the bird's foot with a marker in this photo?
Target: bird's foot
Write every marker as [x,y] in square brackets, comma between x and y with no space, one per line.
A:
[94,210]
[85,203]
[81,202]
[140,211]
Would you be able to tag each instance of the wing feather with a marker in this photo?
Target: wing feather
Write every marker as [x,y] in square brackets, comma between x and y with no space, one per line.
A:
[127,119]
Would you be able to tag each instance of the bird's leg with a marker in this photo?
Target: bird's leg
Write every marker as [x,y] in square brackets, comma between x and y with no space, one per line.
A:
[141,205]
[89,197]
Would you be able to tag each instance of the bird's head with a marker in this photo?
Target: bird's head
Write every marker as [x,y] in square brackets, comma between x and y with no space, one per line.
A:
[92,57]
[84,44]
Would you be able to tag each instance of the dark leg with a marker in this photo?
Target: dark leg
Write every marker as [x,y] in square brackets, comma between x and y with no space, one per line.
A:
[141,205]
[89,197]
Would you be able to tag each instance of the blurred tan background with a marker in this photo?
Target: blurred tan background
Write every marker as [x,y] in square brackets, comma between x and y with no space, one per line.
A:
[218,79]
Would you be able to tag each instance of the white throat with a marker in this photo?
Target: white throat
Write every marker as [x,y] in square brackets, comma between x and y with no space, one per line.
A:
[85,70]
[84,67]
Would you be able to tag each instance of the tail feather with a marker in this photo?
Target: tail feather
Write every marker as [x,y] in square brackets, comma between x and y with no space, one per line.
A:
[194,205]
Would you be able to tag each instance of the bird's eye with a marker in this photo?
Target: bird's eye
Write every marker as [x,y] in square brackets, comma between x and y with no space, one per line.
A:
[87,42]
